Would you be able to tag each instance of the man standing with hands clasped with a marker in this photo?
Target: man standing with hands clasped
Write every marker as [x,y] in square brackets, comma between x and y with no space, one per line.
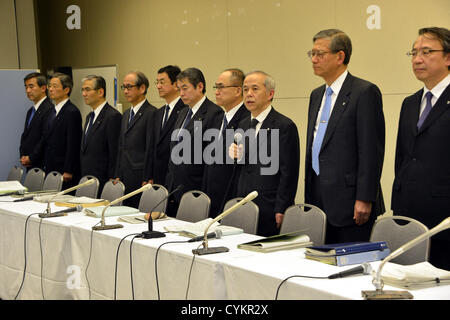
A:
[345,143]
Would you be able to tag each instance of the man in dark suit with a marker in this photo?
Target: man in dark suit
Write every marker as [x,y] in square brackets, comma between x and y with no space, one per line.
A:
[186,166]
[60,144]
[421,187]
[99,144]
[36,90]
[165,118]
[345,143]
[135,135]
[271,160]
[220,178]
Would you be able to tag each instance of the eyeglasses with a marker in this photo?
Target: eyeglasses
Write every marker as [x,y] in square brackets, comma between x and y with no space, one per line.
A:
[319,53]
[128,86]
[87,89]
[222,87]
[425,52]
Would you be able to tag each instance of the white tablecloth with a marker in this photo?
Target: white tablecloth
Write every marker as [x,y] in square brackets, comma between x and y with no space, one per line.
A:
[237,274]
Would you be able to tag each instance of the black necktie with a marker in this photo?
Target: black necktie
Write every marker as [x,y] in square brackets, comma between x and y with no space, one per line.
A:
[51,117]
[166,116]
[90,122]
[254,123]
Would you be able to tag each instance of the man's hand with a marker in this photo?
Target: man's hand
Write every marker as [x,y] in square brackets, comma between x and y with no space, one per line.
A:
[279,219]
[67,177]
[361,212]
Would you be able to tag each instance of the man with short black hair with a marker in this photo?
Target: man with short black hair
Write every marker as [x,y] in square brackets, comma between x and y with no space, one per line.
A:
[165,118]
[36,90]
[201,115]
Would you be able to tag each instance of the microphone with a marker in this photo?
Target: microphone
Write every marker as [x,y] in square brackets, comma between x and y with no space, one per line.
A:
[18,192]
[365,268]
[379,293]
[61,213]
[24,199]
[47,213]
[205,249]
[149,234]
[212,235]
[237,137]
[103,226]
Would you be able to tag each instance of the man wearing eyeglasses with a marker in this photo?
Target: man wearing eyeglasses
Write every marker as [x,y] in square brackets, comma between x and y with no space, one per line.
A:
[99,143]
[220,178]
[60,144]
[135,135]
[345,143]
[165,117]
[421,188]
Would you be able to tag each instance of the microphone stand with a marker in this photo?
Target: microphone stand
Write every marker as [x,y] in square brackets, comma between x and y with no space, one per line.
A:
[48,213]
[379,293]
[103,226]
[205,249]
[150,233]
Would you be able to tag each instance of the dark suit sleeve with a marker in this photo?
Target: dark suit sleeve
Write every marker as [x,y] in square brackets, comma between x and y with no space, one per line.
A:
[289,166]
[73,142]
[371,142]
[150,148]
[113,131]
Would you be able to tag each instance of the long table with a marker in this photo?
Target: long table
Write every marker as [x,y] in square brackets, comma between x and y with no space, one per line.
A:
[67,260]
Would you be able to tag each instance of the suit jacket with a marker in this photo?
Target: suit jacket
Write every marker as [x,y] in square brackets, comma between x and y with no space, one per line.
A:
[220,179]
[421,187]
[133,142]
[33,133]
[100,147]
[352,152]
[60,145]
[159,152]
[276,192]
[190,173]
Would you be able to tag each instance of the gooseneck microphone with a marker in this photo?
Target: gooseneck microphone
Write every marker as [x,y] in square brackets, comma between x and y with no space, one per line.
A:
[61,213]
[150,233]
[12,193]
[379,293]
[205,249]
[365,268]
[102,225]
[212,235]
[48,213]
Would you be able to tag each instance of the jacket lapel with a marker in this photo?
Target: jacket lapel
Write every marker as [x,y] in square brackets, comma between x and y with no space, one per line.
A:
[442,105]
[338,109]
[315,107]
[136,116]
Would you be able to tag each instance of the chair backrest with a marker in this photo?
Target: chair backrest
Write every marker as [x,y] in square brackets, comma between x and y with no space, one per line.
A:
[244,217]
[194,206]
[91,190]
[305,217]
[151,197]
[388,229]
[15,173]
[34,180]
[53,181]
[111,191]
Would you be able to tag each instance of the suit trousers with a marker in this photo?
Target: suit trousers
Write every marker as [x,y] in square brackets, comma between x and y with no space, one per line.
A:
[337,234]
